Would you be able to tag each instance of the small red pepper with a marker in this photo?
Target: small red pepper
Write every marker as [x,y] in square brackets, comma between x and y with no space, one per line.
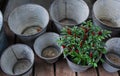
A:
[86,30]
[93,33]
[77,51]
[69,31]
[81,43]
[85,37]
[63,46]
[99,33]
[91,54]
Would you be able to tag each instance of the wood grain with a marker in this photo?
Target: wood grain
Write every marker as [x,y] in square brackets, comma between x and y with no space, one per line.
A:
[89,72]
[42,68]
[102,72]
[62,69]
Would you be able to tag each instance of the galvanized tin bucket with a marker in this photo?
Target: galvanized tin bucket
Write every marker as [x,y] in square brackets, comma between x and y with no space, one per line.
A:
[28,21]
[109,65]
[3,39]
[17,60]
[106,15]
[68,12]
[48,40]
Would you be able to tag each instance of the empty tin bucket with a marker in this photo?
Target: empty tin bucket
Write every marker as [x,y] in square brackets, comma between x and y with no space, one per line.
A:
[46,47]
[17,60]
[68,12]
[106,15]
[28,21]
[3,39]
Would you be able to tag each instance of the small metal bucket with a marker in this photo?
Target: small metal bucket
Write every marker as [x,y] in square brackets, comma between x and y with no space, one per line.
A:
[17,60]
[28,21]
[3,39]
[109,65]
[106,15]
[47,40]
[68,12]
[112,46]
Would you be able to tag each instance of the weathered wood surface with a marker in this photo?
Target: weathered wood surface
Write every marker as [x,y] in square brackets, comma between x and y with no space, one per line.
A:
[42,68]
[89,72]
[102,72]
[62,69]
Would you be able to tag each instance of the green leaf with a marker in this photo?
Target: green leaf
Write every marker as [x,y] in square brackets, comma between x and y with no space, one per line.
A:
[95,65]
[102,60]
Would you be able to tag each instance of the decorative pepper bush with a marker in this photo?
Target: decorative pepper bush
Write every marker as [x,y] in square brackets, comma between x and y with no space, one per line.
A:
[83,44]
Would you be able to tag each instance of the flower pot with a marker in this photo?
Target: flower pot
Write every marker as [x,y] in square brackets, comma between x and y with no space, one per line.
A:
[17,60]
[106,15]
[112,62]
[46,47]
[112,46]
[28,21]
[68,12]
[76,67]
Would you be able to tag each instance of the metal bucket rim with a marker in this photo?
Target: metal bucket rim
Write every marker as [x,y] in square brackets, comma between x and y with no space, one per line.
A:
[60,48]
[28,68]
[116,28]
[107,60]
[28,5]
[56,21]
[1,20]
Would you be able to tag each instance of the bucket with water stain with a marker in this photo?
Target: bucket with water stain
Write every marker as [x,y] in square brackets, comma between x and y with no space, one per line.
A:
[68,12]
[47,48]
[106,15]
[17,60]
[28,21]
[3,39]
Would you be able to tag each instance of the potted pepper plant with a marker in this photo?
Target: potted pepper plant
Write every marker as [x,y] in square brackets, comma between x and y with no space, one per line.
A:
[83,45]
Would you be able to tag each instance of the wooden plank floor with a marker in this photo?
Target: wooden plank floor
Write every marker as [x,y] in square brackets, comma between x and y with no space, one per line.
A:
[41,68]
